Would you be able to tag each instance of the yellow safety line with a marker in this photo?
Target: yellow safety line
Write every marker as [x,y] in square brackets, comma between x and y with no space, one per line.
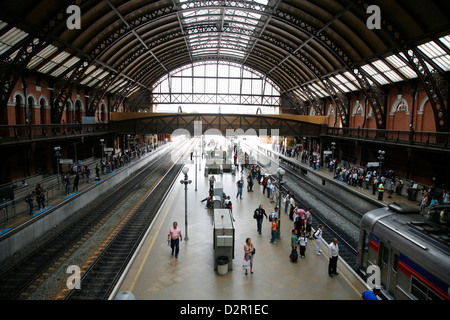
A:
[150,247]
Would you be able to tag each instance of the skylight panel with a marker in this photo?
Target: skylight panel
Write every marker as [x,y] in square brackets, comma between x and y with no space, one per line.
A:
[11,38]
[437,54]
[339,84]
[40,56]
[2,24]
[446,41]
[401,66]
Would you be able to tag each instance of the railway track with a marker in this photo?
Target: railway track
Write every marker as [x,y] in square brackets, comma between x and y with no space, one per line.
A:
[22,279]
[327,210]
[99,280]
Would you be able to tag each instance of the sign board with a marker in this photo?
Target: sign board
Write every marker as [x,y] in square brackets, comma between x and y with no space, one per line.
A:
[109,149]
[65,161]
[328,152]
[373,164]
[88,120]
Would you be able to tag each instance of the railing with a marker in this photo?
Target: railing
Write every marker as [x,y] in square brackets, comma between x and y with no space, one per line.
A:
[421,138]
[21,133]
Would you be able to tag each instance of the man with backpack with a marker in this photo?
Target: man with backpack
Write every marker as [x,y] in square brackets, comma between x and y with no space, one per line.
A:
[259,216]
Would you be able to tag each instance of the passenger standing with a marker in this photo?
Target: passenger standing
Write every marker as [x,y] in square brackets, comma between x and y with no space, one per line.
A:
[274,231]
[302,241]
[286,203]
[88,173]
[308,222]
[29,200]
[294,239]
[240,185]
[318,237]
[291,207]
[212,179]
[97,172]
[249,182]
[269,187]
[249,252]
[173,238]
[380,191]
[75,182]
[333,254]
[67,182]
[259,216]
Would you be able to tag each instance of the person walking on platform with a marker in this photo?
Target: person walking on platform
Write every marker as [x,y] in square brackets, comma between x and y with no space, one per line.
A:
[318,237]
[240,185]
[380,191]
[249,252]
[259,216]
[173,238]
[249,182]
[333,254]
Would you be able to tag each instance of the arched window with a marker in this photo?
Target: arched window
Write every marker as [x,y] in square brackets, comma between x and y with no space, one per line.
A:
[43,105]
[214,87]
[77,115]
[29,110]
[104,112]
[19,109]
[69,111]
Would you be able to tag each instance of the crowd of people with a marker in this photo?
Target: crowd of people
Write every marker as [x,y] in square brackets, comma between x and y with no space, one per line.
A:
[301,218]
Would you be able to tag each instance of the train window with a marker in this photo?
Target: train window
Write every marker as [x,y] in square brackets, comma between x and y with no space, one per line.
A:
[395,263]
[422,292]
[385,255]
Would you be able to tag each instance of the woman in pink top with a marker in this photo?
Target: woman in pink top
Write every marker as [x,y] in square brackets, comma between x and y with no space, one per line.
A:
[174,237]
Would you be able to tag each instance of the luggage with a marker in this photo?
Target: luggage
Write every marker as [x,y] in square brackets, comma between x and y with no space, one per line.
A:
[294,255]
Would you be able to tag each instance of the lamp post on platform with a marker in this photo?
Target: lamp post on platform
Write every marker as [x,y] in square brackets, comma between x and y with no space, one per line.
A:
[186,181]
[281,173]
[58,156]
[380,159]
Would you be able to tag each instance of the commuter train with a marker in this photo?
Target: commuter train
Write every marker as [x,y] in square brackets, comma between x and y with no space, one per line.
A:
[406,253]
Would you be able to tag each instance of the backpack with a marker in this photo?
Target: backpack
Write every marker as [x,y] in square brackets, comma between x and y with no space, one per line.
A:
[314,234]
[294,255]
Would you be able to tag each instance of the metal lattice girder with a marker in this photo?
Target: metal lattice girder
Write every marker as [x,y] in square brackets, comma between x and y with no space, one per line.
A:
[435,85]
[340,100]
[11,69]
[375,95]
[433,81]
[63,89]
[168,123]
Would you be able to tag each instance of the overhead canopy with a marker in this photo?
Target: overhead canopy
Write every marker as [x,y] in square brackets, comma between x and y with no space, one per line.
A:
[310,49]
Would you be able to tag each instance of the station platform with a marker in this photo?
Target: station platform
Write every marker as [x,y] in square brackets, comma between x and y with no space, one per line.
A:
[154,274]
[22,214]
[325,173]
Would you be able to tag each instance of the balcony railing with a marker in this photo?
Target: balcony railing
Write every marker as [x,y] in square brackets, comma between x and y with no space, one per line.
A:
[24,133]
[419,138]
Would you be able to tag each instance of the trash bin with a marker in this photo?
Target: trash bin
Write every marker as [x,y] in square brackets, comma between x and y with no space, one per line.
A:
[222,265]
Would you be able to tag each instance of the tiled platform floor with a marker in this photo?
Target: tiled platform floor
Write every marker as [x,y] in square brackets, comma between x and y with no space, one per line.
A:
[156,274]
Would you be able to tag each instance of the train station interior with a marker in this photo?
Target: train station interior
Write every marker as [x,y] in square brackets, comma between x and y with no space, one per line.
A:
[123,110]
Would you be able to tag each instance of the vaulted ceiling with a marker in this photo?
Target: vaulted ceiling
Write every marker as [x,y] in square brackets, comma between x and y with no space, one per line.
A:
[310,49]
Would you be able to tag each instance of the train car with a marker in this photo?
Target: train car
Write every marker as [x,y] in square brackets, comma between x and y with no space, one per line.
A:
[410,252]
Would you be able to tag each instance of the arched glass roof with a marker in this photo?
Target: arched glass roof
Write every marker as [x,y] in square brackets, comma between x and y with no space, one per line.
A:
[308,48]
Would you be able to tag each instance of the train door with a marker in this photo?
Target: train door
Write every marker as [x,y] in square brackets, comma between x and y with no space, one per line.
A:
[388,267]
